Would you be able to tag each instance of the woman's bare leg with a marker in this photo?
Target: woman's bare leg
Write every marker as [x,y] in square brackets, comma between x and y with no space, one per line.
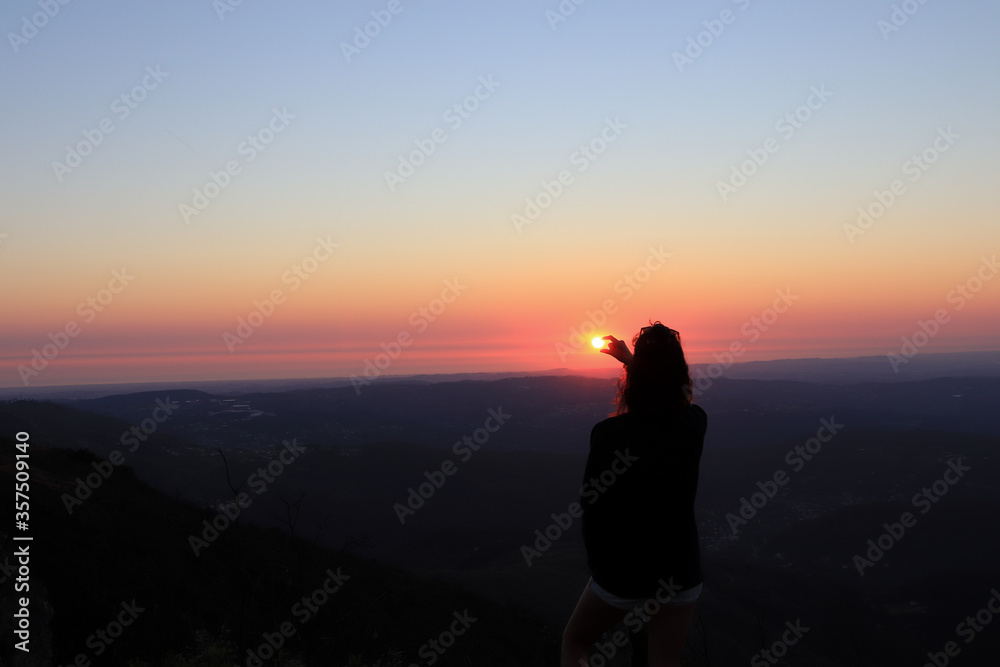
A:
[667,633]
[590,619]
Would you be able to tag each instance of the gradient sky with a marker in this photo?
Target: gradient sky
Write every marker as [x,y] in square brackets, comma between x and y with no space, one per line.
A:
[522,291]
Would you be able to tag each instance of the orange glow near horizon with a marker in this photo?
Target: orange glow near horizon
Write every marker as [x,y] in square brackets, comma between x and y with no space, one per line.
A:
[104,353]
[475,317]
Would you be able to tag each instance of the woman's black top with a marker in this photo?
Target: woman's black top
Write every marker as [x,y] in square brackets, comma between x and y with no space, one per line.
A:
[638,501]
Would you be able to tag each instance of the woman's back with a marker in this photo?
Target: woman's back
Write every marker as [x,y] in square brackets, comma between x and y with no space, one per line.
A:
[640,528]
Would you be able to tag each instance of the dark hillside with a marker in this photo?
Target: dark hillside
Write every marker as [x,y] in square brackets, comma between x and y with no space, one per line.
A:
[131,543]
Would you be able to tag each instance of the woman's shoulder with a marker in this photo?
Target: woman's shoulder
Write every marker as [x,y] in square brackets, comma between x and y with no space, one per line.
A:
[690,411]
[631,421]
[610,424]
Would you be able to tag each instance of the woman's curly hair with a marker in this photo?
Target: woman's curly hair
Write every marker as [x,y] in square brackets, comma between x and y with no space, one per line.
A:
[657,378]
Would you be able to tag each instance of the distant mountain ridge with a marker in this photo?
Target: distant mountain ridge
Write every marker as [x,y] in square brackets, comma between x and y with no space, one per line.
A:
[924,365]
[550,413]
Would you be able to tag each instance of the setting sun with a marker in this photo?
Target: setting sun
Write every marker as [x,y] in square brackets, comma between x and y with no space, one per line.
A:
[597,341]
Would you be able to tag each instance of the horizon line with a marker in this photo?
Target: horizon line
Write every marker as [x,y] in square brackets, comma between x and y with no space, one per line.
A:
[7,391]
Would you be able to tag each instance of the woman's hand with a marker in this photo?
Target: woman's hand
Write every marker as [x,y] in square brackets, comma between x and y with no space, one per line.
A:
[617,349]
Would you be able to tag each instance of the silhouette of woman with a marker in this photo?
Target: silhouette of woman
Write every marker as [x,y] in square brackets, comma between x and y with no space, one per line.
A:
[638,506]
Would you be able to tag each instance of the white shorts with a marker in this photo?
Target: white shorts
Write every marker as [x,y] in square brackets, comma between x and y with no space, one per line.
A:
[682,598]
